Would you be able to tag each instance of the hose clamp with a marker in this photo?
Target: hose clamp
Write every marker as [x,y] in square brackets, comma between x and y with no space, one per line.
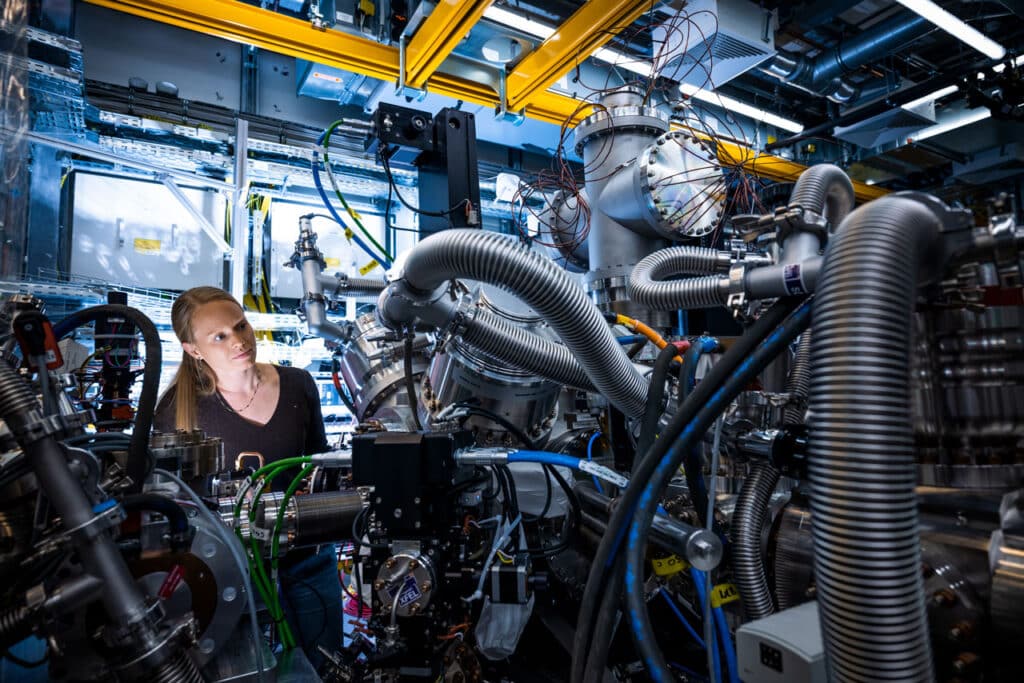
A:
[33,426]
[459,321]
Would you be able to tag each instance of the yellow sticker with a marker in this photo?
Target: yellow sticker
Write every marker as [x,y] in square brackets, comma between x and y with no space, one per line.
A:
[368,267]
[667,566]
[144,246]
[348,234]
[723,594]
[352,212]
[332,262]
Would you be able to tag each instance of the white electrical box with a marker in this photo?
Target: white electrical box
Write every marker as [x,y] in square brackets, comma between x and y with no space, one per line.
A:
[783,648]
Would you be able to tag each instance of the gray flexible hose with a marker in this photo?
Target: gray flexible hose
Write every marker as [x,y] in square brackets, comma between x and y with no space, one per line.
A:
[798,385]
[498,260]
[525,350]
[752,504]
[648,288]
[867,557]
[748,521]
[340,285]
[826,189]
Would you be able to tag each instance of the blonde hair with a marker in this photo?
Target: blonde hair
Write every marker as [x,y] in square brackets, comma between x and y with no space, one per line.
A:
[194,379]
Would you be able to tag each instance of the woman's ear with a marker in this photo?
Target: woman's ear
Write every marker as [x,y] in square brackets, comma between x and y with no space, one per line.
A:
[191,350]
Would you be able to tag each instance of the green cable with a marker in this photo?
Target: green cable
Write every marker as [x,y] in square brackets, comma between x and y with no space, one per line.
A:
[341,197]
[264,582]
[275,539]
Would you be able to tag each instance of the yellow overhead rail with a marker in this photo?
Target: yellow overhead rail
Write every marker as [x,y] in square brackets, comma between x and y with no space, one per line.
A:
[590,27]
[438,35]
[250,25]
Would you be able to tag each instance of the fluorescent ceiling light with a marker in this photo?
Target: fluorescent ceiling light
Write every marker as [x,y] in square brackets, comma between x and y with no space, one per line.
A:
[742,108]
[931,97]
[955,27]
[518,22]
[624,61]
[1000,68]
[965,118]
[643,68]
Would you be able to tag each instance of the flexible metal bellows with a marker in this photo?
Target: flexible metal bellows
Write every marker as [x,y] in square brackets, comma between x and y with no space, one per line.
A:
[525,350]
[498,260]
[861,465]
[647,285]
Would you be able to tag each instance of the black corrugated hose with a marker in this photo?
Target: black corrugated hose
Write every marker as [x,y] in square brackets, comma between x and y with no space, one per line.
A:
[140,463]
[600,569]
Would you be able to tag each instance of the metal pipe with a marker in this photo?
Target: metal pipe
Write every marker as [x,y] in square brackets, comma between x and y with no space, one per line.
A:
[700,547]
[867,553]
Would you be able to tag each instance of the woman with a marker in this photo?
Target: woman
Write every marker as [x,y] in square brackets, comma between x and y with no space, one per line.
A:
[255,407]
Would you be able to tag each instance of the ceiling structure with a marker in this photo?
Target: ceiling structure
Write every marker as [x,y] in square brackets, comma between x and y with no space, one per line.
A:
[843,71]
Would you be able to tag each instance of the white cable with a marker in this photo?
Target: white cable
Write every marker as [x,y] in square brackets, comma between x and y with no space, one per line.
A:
[709,625]
[500,539]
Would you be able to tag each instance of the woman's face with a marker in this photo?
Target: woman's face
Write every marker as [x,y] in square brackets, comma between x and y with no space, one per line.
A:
[223,338]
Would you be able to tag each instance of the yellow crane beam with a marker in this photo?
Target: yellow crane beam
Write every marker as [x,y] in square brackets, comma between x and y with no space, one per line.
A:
[590,27]
[437,36]
[250,25]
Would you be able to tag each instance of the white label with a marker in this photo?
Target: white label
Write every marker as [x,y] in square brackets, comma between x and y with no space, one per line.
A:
[602,472]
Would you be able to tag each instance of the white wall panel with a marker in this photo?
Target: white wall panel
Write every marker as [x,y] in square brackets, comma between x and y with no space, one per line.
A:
[133,232]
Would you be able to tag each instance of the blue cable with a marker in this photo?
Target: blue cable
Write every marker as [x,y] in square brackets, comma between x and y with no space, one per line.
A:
[590,457]
[682,618]
[545,458]
[334,214]
[628,339]
[727,646]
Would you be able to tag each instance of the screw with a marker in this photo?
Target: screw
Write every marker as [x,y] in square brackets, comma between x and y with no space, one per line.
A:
[426,586]
[390,563]
[414,608]
[416,500]
[378,585]
[413,564]
[398,513]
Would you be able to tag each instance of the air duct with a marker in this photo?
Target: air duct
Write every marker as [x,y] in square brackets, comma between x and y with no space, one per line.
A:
[826,74]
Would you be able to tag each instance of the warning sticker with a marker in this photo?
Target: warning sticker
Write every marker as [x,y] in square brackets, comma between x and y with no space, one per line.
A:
[667,566]
[332,262]
[145,246]
[723,594]
[368,267]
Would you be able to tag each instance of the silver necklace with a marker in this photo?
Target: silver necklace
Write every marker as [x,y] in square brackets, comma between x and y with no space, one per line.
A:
[251,398]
